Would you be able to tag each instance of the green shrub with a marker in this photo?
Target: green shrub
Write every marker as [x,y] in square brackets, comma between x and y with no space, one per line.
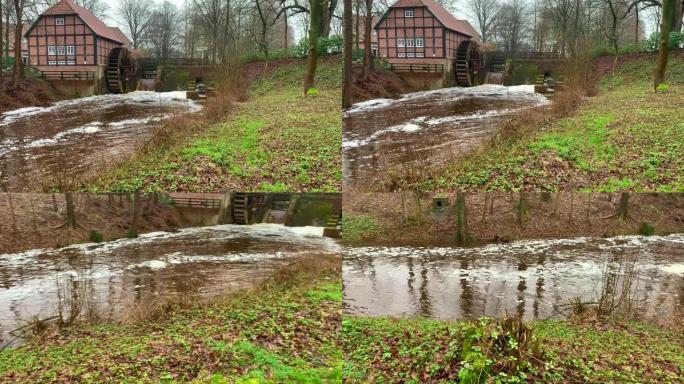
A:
[325,46]
[646,229]
[663,88]
[96,237]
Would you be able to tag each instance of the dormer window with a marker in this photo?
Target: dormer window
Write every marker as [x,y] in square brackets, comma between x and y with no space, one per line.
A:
[59,21]
[408,13]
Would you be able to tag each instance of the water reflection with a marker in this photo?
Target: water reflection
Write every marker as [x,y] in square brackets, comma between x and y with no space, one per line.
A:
[533,279]
[104,281]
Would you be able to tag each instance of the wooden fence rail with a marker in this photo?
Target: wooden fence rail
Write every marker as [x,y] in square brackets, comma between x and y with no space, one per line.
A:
[67,75]
[191,202]
[429,68]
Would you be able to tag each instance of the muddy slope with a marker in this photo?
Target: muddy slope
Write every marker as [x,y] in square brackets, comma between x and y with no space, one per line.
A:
[29,221]
[377,219]
[31,92]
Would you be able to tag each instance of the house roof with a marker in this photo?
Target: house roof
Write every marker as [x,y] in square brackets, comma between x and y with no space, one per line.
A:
[445,17]
[122,36]
[68,7]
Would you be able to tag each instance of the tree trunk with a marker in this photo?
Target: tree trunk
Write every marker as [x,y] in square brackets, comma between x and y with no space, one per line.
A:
[522,209]
[133,230]
[623,207]
[13,218]
[357,26]
[314,33]
[18,71]
[2,63]
[367,51]
[70,210]
[677,14]
[665,29]
[347,88]
[461,219]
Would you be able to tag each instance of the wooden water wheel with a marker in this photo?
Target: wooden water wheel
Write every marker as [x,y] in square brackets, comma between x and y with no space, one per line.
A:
[468,65]
[119,70]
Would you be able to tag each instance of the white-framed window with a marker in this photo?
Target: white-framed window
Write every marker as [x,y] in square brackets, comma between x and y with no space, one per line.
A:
[420,42]
[401,54]
[61,62]
[410,54]
[52,62]
[420,54]
[52,50]
[410,43]
[408,13]
[401,43]
[61,50]
[59,20]
[70,50]
[71,62]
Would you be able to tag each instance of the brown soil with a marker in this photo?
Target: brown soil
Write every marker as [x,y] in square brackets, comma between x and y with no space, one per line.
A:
[575,215]
[380,84]
[31,92]
[32,221]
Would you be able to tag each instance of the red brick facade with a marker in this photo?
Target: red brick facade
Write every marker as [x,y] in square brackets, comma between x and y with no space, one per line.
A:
[411,32]
[61,40]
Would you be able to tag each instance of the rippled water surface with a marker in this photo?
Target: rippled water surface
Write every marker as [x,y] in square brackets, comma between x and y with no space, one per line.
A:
[109,279]
[534,279]
[77,136]
[426,128]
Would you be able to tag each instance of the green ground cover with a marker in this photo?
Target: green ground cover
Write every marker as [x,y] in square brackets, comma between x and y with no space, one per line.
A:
[382,350]
[285,333]
[278,140]
[628,137]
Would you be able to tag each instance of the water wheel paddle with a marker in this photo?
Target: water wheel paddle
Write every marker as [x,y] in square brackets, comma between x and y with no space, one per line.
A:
[468,64]
[119,69]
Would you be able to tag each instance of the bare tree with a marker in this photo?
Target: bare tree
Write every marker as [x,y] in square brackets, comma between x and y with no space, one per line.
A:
[347,91]
[485,11]
[665,29]
[164,37]
[18,72]
[133,229]
[98,7]
[511,25]
[2,41]
[137,16]
[314,34]
[367,51]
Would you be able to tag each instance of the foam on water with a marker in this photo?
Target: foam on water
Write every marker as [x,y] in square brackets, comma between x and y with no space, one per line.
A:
[520,92]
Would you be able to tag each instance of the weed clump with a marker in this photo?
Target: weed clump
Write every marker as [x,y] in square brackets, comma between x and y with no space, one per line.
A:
[646,229]
[96,237]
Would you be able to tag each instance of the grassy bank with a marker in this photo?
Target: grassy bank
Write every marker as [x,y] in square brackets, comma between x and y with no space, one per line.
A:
[628,137]
[287,332]
[277,140]
[382,350]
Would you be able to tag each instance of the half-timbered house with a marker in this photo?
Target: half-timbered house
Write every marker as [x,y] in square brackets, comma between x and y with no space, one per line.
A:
[68,37]
[421,32]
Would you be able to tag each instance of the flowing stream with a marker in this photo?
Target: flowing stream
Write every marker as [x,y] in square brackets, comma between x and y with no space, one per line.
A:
[74,137]
[423,129]
[108,280]
[533,279]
